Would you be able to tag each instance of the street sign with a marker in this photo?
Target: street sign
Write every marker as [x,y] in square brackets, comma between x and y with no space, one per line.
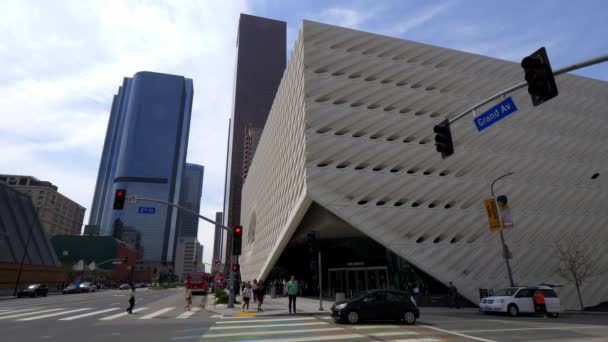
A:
[492,214]
[132,199]
[79,266]
[146,210]
[495,114]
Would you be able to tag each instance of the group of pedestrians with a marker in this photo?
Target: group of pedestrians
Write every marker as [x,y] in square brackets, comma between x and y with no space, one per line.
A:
[255,289]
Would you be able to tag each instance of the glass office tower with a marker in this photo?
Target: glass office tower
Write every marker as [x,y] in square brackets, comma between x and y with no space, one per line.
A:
[145,154]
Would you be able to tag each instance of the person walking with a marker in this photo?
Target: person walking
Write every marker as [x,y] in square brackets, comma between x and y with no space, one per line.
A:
[453,296]
[254,290]
[539,303]
[188,298]
[292,292]
[260,296]
[246,297]
[131,300]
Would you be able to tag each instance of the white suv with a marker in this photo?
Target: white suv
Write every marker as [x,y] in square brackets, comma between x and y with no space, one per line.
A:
[516,300]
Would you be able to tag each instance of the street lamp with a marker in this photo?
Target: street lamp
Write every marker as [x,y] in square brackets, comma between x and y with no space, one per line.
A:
[505,249]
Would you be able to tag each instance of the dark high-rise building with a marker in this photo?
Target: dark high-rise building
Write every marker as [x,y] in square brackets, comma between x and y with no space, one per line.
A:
[145,154]
[261,48]
[190,198]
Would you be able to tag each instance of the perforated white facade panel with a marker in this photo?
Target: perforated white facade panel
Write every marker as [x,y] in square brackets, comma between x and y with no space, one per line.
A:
[351,129]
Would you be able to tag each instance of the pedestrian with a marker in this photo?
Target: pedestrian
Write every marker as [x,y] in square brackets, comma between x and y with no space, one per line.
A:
[260,296]
[188,298]
[246,296]
[416,290]
[254,290]
[292,291]
[453,296]
[284,287]
[131,300]
[539,303]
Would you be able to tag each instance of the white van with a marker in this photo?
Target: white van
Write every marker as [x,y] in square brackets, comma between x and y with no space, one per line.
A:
[516,300]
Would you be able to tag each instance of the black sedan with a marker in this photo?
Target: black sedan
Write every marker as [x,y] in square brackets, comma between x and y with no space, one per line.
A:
[33,291]
[71,289]
[377,305]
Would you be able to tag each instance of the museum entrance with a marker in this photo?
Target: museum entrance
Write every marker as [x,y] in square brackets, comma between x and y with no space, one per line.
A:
[353,281]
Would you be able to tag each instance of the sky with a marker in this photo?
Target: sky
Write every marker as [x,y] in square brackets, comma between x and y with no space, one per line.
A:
[62,62]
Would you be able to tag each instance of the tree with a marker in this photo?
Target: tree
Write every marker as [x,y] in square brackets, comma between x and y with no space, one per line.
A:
[576,262]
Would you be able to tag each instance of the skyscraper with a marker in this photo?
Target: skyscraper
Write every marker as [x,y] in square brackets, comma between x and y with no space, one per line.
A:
[190,197]
[218,238]
[261,46]
[144,154]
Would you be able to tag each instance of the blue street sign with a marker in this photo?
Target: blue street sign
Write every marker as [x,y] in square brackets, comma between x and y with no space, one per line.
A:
[146,210]
[495,114]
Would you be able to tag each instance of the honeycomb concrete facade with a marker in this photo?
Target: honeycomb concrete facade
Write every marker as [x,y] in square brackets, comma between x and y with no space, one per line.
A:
[351,129]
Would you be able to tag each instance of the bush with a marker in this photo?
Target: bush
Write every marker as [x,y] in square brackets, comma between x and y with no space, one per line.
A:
[221,297]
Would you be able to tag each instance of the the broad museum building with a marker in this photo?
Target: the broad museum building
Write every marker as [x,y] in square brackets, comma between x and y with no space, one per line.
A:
[348,154]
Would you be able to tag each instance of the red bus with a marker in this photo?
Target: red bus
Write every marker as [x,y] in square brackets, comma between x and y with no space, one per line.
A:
[199,282]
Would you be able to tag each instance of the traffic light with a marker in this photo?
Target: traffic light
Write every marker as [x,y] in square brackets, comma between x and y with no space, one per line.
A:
[541,83]
[237,240]
[119,199]
[236,267]
[443,139]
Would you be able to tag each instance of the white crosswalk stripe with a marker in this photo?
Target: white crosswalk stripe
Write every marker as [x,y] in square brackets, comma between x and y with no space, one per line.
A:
[87,314]
[187,314]
[109,318]
[312,338]
[269,320]
[300,324]
[393,333]
[157,313]
[30,313]
[17,311]
[53,314]
[272,332]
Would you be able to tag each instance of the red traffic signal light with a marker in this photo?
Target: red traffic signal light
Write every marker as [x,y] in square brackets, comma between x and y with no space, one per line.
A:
[236,267]
[539,75]
[237,240]
[119,199]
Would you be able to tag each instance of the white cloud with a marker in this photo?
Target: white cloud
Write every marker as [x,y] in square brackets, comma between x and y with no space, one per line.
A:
[418,18]
[63,62]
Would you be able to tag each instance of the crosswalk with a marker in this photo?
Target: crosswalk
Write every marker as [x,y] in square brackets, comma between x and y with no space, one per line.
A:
[313,328]
[102,314]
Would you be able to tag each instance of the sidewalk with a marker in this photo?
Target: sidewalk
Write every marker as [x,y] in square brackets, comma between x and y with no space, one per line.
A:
[271,306]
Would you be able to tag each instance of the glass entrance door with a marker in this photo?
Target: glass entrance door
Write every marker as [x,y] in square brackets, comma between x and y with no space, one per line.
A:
[356,280]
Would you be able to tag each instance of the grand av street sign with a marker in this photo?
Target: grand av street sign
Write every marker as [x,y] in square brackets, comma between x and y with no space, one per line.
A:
[495,114]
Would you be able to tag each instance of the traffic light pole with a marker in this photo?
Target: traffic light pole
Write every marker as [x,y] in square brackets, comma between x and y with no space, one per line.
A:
[580,65]
[505,250]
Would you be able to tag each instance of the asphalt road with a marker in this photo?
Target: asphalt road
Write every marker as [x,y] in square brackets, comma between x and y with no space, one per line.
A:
[160,317]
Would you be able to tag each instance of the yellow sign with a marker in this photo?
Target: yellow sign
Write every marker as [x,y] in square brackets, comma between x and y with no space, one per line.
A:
[492,214]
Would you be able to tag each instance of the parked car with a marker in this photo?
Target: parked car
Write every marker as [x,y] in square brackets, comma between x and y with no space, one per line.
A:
[33,290]
[516,300]
[377,305]
[88,287]
[125,287]
[71,289]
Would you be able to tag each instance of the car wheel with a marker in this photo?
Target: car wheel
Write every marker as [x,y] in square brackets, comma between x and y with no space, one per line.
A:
[34,295]
[18,296]
[352,317]
[44,294]
[409,318]
[553,314]
[512,310]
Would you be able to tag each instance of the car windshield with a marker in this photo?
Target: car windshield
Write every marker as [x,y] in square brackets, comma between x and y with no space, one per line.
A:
[32,286]
[71,286]
[508,292]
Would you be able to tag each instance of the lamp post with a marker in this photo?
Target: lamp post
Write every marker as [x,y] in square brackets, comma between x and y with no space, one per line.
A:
[505,249]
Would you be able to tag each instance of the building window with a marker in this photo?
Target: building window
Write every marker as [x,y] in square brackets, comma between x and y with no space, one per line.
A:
[22,181]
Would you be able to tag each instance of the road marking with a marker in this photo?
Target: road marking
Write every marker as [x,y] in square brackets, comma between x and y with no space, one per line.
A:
[274,332]
[269,320]
[364,327]
[458,334]
[313,338]
[268,325]
[30,313]
[523,329]
[53,314]
[424,339]
[16,311]
[394,333]
[157,313]
[187,314]
[121,314]
[87,314]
